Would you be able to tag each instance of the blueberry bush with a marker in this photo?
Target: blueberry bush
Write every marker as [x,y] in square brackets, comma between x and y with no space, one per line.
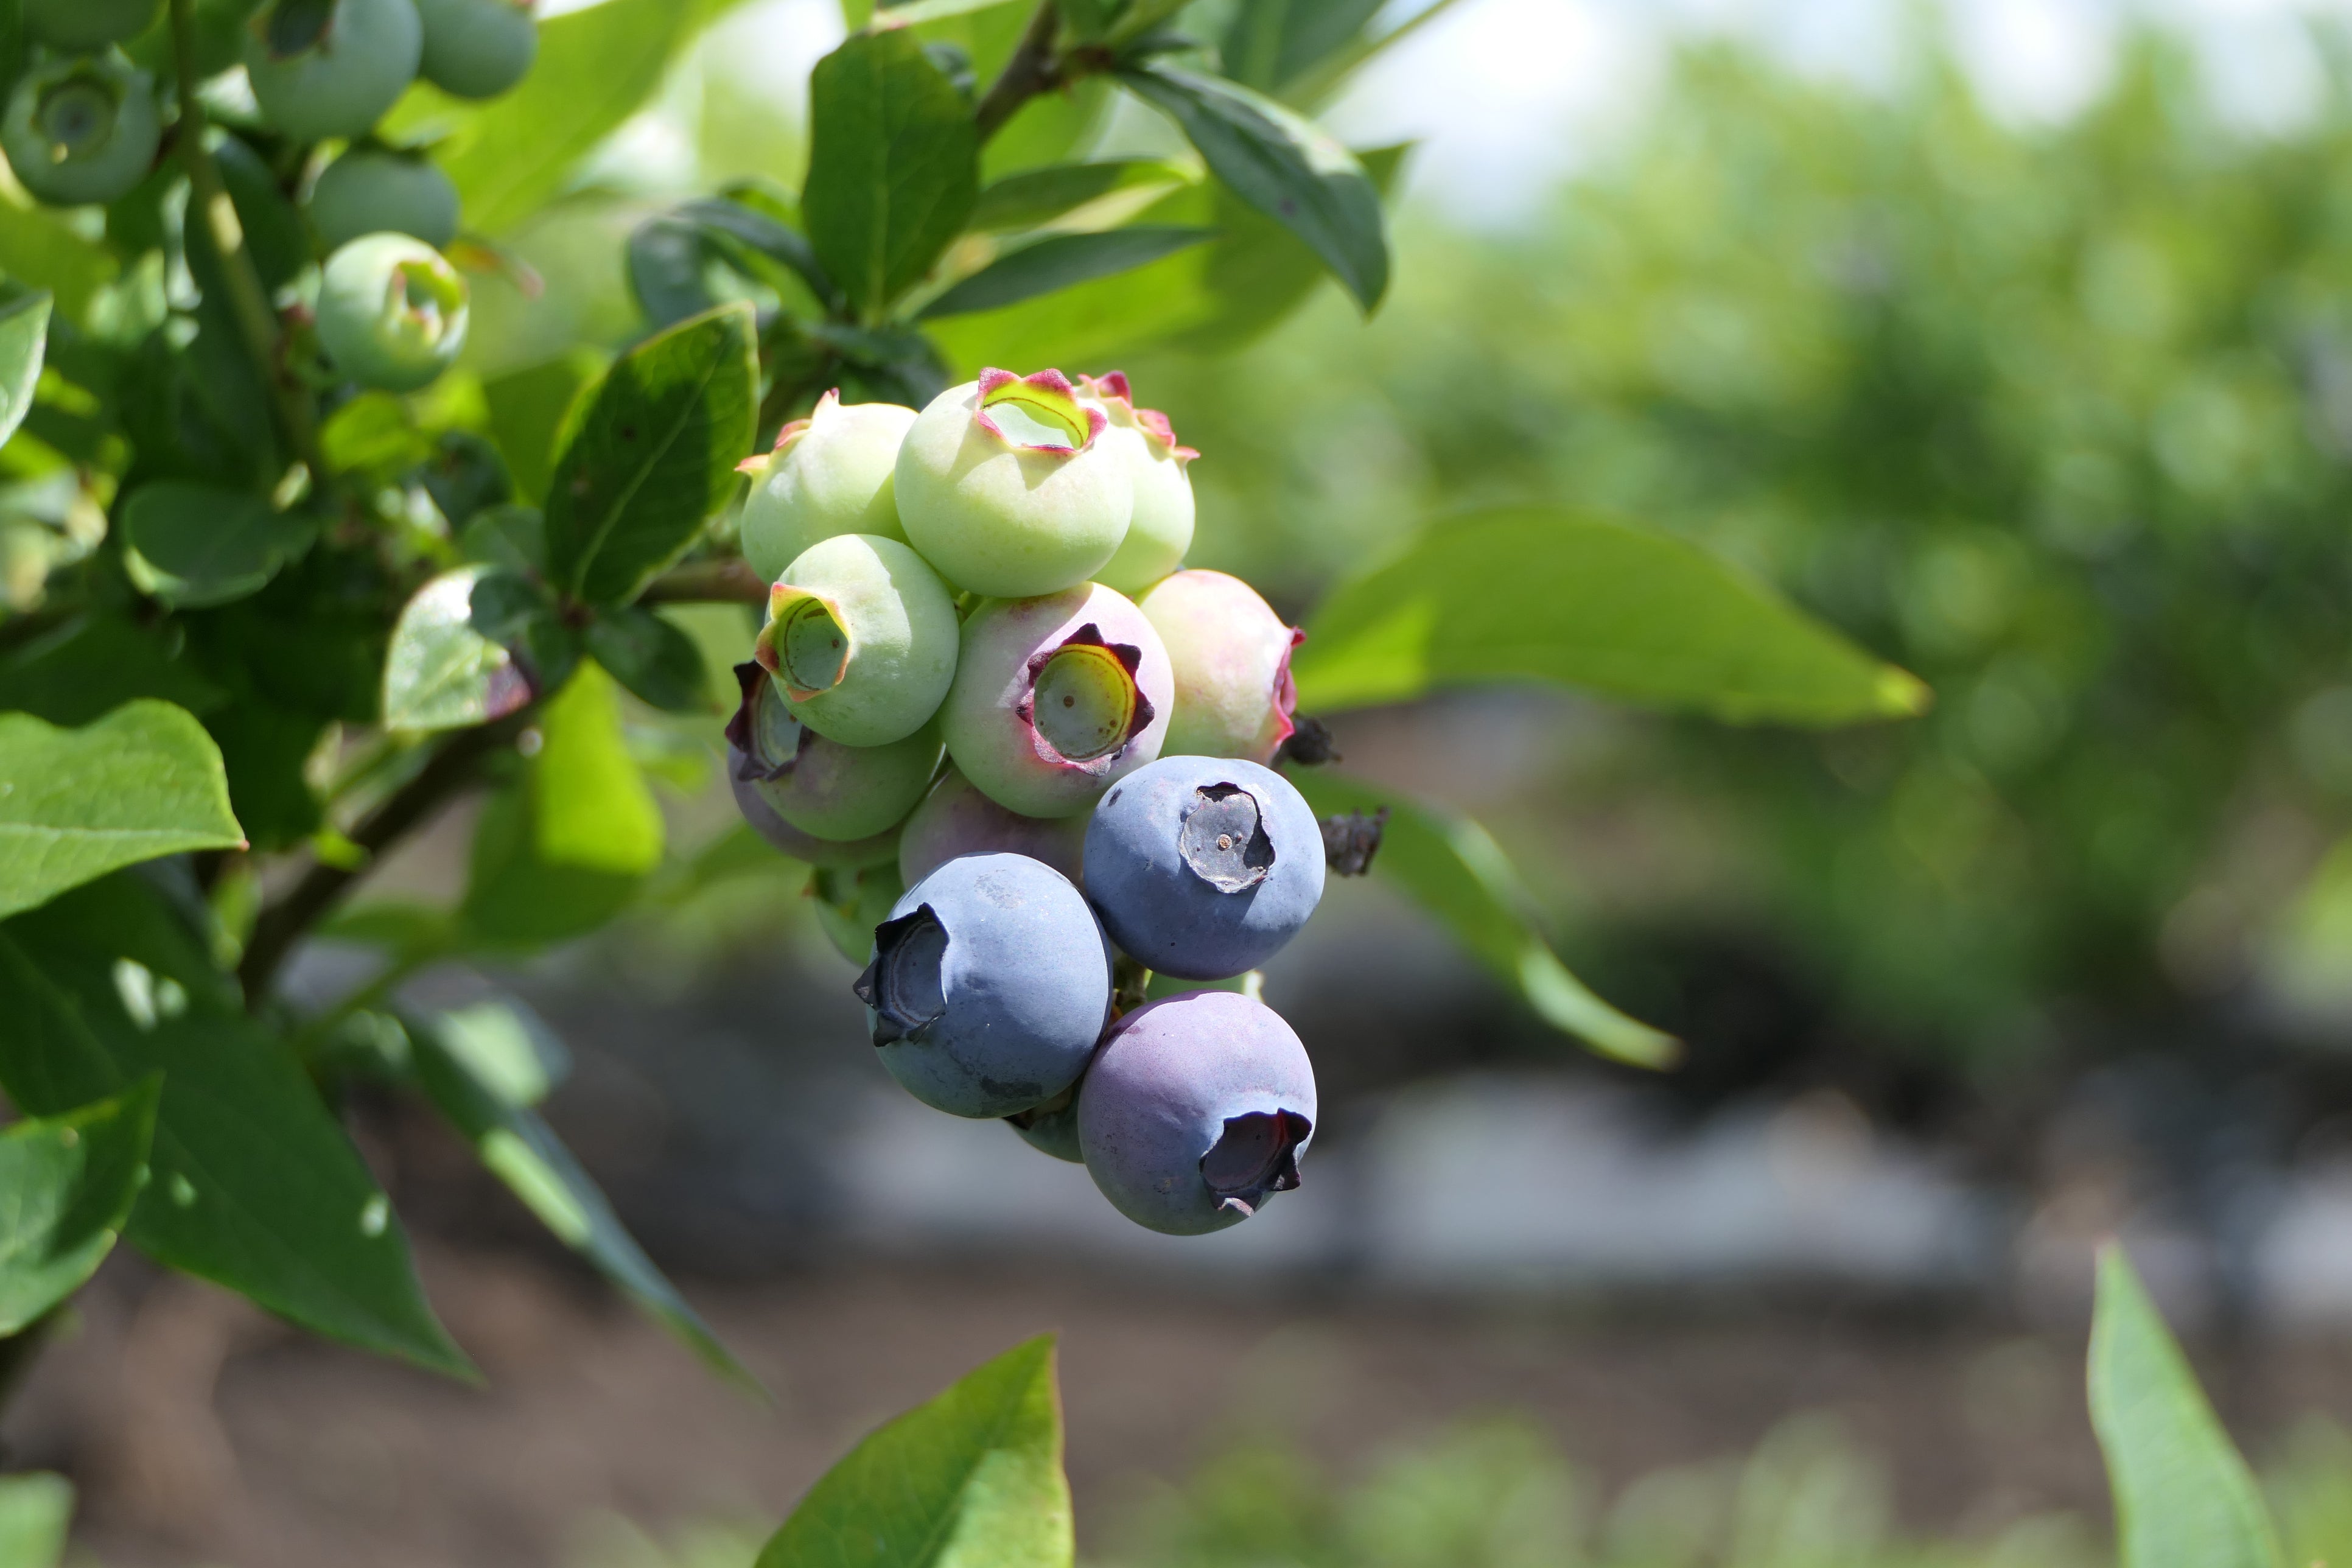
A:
[286,579]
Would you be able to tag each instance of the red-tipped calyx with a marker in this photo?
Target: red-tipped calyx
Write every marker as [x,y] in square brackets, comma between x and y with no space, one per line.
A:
[1038,413]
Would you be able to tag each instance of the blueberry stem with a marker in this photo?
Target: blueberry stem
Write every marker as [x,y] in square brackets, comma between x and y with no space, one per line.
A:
[727,581]
[211,211]
[1030,71]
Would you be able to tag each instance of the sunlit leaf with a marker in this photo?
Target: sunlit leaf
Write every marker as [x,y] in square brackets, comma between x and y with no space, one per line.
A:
[972,1479]
[36,1510]
[440,673]
[143,781]
[1035,198]
[894,165]
[1059,261]
[1536,594]
[2184,1497]
[253,1185]
[24,334]
[655,456]
[1454,868]
[197,545]
[65,1187]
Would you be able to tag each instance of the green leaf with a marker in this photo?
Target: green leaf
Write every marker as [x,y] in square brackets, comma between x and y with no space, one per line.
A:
[2184,1497]
[914,11]
[143,781]
[92,664]
[972,1479]
[1454,868]
[24,336]
[533,410]
[1271,42]
[40,252]
[518,1147]
[1035,197]
[596,67]
[1537,593]
[656,662]
[654,458]
[439,672]
[374,434]
[253,1185]
[1061,259]
[199,545]
[566,850]
[1285,166]
[66,1187]
[36,1510]
[894,166]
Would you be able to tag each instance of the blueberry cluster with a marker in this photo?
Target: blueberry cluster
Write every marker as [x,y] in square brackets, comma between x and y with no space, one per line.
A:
[1027,753]
[83,126]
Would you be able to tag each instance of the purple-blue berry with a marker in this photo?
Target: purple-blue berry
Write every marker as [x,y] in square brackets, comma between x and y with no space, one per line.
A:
[1203,867]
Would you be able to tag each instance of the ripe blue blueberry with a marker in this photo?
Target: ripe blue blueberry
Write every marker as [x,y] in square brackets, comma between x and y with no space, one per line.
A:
[989,986]
[391,312]
[81,130]
[957,820]
[475,48]
[1195,1111]
[372,190]
[331,68]
[821,786]
[1203,867]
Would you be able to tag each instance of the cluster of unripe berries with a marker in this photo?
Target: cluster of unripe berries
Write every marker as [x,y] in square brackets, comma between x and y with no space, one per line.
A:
[1018,741]
[82,126]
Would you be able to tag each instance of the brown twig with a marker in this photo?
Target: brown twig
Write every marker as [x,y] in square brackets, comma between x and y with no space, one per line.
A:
[729,581]
[286,921]
[1032,70]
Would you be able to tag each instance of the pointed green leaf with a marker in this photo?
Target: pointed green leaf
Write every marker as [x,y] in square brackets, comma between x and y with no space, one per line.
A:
[1059,261]
[1535,593]
[143,781]
[1282,165]
[439,672]
[532,412]
[2184,1497]
[520,1150]
[1032,198]
[253,1185]
[656,662]
[197,545]
[1454,868]
[894,166]
[654,458]
[23,339]
[66,1187]
[972,1479]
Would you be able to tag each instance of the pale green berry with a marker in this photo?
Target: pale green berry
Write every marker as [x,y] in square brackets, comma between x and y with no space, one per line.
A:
[331,68]
[832,792]
[477,48]
[1235,697]
[1159,531]
[391,312]
[830,474]
[80,25]
[861,637]
[371,190]
[1005,486]
[81,130]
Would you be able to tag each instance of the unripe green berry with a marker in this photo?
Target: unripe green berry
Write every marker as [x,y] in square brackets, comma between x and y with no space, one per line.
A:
[80,25]
[368,190]
[830,474]
[1161,529]
[831,792]
[861,638]
[1005,486]
[81,130]
[477,48]
[391,312]
[331,68]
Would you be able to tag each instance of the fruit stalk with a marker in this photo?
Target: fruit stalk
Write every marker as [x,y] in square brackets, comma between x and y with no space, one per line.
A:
[209,205]
[726,581]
